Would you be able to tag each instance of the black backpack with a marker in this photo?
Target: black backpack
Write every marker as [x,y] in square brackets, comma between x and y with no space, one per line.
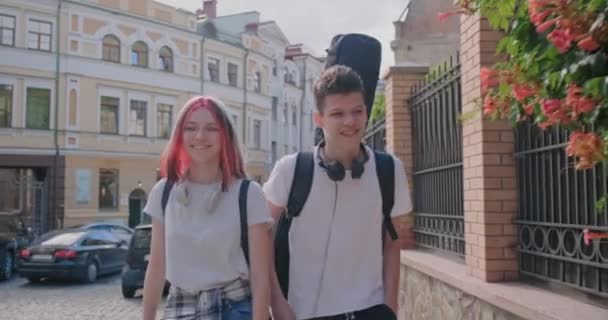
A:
[300,189]
[361,53]
[242,211]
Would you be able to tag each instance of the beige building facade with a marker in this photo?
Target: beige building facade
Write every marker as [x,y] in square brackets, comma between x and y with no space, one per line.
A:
[90,91]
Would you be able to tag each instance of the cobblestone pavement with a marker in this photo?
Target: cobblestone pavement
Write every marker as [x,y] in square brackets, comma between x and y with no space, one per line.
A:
[50,300]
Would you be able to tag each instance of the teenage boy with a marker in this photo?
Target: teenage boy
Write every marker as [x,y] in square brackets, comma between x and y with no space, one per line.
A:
[342,247]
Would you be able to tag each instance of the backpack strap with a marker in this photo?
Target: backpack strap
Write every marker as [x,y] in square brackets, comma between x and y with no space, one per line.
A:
[300,189]
[243,191]
[166,193]
[301,184]
[385,169]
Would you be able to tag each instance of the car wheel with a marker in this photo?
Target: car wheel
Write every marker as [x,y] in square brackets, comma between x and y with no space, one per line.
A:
[90,272]
[128,292]
[6,268]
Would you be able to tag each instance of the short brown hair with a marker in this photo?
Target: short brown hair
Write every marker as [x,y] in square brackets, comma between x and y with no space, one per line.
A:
[336,80]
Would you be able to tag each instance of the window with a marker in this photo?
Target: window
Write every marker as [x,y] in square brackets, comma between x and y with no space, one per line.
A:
[73,108]
[213,65]
[109,115]
[285,114]
[164,115]
[108,188]
[6,105]
[257,82]
[137,118]
[275,102]
[294,117]
[39,35]
[235,121]
[274,151]
[257,134]
[38,108]
[166,59]
[274,68]
[111,49]
[7,30]
[285,149]
[139,54]
[233,71]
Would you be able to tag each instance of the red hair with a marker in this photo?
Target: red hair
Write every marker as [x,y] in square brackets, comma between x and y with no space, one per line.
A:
[175,161]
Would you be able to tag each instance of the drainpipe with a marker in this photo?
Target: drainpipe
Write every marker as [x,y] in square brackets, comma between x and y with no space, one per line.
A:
[302,102]
[245,100]
[202,66]
[53,199]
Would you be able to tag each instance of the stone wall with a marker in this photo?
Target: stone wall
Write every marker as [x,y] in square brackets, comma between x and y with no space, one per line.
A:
[422,297]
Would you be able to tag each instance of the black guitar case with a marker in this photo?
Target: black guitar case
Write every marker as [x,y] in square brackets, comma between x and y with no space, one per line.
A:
[361,53]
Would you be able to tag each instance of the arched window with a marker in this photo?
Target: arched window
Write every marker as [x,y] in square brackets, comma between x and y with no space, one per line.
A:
[166,59]
[111,48]
[139,54]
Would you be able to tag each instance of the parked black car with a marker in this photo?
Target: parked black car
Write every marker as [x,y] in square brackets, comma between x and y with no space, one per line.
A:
[14,236]
[73,253]
[134,272]
[122,232]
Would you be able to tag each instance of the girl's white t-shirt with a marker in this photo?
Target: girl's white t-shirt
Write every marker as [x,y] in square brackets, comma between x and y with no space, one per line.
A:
[203,248]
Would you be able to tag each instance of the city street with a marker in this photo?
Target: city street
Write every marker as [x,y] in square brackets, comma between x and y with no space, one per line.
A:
[21,300]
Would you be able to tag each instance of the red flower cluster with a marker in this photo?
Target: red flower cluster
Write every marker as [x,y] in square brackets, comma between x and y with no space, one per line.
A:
[522,91]
[578,102]
[587,147]
[489,79]
[565,31]
[556,112]
[465,6]
[589,236]
[569,109]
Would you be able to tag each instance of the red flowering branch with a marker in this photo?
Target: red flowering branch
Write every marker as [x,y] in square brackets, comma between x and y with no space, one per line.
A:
[589,236]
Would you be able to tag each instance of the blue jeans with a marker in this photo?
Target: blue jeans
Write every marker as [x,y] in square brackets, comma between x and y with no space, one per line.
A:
[232,302]
[237,310]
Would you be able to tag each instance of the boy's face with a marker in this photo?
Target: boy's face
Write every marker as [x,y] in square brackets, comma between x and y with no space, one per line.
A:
[343,118]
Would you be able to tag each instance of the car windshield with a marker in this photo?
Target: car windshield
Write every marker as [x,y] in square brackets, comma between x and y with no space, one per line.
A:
[62,239]
[141,238]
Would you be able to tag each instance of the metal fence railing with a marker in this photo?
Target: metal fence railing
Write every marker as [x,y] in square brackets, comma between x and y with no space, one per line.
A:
[556,203]
[375,136]
[437,148]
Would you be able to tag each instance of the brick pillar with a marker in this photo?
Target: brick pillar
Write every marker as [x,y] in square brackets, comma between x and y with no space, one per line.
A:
[490,193]
[399,81]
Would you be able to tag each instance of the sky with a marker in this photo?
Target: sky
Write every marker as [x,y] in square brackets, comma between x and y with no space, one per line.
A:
[315,22]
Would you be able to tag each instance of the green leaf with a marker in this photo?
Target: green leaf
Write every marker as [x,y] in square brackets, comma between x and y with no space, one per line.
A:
[594,5]
[600,205]
[593,87]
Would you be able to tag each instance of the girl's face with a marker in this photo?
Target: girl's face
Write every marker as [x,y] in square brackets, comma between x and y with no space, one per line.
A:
[201,137]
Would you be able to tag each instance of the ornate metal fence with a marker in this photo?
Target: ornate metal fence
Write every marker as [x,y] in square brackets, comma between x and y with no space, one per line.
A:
[375,136]
[556,203]
[437,138]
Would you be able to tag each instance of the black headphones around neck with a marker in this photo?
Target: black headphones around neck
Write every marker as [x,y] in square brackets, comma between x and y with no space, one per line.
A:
[336,171]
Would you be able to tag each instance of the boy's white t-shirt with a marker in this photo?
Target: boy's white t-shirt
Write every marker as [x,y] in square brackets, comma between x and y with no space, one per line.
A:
[202,248]
[336,241]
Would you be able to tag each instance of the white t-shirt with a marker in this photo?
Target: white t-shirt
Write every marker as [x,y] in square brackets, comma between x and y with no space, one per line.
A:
[202,248]
[336,241]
